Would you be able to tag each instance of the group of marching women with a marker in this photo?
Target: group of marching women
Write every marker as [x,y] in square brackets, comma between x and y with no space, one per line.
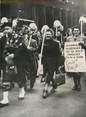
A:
[21,49]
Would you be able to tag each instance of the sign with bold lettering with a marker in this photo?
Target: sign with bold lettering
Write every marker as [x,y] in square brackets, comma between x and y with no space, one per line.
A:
[74,57]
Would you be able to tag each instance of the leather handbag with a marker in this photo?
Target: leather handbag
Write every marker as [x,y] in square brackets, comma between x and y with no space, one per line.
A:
[59,78]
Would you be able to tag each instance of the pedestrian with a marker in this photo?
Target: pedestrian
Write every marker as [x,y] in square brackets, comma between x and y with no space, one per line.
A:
[50,56]
[76,75]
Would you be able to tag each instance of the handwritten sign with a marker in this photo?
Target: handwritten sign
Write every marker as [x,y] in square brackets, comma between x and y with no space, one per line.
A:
[74,57]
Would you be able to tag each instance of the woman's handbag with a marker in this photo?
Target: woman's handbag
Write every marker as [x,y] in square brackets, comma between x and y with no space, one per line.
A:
[59,78]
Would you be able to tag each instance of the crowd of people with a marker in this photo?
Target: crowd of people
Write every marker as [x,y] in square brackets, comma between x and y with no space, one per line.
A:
[23,48]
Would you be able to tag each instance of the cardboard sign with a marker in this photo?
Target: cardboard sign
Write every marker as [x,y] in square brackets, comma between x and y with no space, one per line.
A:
[74,57]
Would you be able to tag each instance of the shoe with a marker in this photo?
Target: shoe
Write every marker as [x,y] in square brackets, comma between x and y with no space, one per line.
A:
[74,88]
[3,105]
[20,98]
[21,94]
[55,86]
[79,88]
[45,94]
[52,90]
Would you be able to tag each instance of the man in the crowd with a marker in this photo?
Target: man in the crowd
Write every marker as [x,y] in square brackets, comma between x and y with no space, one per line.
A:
[33,44]
[69,34]
[76,75]
[43,70]
[5,41]
[20,59]
[35,33]
[36,37]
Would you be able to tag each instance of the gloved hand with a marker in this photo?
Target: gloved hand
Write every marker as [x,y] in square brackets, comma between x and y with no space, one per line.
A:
[82,45]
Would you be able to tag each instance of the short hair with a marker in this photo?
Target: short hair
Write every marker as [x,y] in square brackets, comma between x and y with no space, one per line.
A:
[50,30]
[76,27]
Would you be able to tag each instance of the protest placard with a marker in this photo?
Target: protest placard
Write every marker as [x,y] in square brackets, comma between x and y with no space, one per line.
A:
[74,57]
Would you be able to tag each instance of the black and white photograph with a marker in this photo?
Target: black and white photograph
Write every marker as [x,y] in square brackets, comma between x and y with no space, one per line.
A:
[42,58]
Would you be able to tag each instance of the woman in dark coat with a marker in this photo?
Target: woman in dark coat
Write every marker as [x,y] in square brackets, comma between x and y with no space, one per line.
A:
[50,58]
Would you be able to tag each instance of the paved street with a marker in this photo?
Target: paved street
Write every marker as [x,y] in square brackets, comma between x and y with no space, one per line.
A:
[63,103]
